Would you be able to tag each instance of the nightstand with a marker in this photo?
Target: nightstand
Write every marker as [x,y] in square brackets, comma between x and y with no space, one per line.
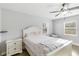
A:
[54,35]
[13,47]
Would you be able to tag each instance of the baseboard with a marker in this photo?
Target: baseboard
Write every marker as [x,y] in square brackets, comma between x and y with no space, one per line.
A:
[76,44]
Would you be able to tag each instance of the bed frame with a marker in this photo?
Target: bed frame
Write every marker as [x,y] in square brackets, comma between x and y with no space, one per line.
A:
[65,50]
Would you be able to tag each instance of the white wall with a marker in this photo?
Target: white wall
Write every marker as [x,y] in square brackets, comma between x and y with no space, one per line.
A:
[2,44]
[59,28]
[14,22]
[0,24]
[0,18]
[49,27]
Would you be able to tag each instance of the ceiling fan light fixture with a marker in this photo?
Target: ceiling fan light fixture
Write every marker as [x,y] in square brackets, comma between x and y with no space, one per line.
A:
[65,10]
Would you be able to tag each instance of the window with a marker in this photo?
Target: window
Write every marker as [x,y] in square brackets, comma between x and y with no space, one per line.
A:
[70,28]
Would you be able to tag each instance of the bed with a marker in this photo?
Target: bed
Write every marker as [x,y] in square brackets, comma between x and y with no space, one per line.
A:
[39,44]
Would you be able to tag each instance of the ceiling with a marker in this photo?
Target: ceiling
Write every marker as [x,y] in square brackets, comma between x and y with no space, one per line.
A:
[39,9]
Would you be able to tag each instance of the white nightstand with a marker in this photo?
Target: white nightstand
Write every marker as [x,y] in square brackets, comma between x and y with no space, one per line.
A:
[54,35]
[13,47]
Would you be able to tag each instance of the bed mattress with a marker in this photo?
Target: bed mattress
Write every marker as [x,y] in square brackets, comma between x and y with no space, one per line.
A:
[42,45]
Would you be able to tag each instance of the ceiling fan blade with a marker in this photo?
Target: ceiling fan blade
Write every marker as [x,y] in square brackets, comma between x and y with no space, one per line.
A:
[77,7]
[58,14]
[57,11]
[54,11]
[73,8]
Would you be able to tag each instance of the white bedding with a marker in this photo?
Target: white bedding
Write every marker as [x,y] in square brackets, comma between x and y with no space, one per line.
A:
[41,45]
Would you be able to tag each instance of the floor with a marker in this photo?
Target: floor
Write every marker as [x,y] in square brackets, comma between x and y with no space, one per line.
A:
[24,53]
[75,52]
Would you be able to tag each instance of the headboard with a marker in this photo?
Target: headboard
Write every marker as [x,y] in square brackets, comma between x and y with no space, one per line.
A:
[32,31]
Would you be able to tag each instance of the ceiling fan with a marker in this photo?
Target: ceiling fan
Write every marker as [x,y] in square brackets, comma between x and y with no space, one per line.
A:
[65,7]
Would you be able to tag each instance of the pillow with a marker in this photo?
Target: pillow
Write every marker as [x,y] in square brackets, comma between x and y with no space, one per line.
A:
[37,33]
